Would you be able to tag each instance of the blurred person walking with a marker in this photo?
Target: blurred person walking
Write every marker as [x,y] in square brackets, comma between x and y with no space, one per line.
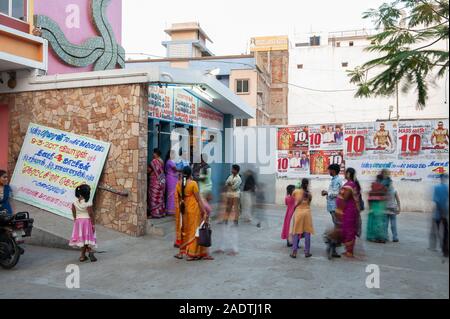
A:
[226,237]
[302,224]
[393,207]
[376,222]
[171,182]
[290,208]
[233,184]
[348,210]
[439,229]
[260,214]
[190,213]
[204,178]
[248,196]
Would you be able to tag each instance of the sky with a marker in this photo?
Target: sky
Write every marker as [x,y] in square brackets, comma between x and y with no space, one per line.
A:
[231,24]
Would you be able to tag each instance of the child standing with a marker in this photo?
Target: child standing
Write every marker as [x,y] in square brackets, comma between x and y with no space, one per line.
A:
[83,235]
[302,226]
[290,203]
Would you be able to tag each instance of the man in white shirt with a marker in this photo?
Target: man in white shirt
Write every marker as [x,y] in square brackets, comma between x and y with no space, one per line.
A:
[328,137]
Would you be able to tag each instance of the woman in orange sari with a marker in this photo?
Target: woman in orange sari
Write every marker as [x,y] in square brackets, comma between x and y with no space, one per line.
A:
[190,213]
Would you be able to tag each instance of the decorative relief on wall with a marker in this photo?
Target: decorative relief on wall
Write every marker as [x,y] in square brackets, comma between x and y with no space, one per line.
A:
[102,51]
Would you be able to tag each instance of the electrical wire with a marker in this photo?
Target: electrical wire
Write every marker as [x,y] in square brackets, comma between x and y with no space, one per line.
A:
[315,90]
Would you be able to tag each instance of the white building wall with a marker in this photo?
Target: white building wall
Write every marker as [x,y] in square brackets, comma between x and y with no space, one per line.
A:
[323,70]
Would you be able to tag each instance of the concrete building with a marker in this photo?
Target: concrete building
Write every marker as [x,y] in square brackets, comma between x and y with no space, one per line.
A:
[320,91]
[104,103]
[246,75]
[20,50]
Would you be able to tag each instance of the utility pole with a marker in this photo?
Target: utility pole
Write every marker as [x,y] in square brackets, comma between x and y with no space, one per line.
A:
[398,111]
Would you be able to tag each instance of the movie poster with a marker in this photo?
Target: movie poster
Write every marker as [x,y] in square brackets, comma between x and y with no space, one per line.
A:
[293,164]
[326,137]
[424,139]
[321,160]
[293,138]
[370,141]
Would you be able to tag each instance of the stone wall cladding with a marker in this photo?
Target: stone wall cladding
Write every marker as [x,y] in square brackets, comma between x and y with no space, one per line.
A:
[115,114]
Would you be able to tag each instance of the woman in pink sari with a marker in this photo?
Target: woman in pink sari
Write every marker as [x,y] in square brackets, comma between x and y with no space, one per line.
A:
[171,183]
[157,185]
[348,210]
[290,203]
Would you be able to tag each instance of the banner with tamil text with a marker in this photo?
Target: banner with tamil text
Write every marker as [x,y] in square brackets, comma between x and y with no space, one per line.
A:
[52,163]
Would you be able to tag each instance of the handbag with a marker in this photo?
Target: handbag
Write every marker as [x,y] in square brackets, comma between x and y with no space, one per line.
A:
[204,236]
[361,203]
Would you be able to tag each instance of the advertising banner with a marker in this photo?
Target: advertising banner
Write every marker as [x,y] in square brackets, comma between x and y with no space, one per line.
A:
[410,150]
[370,141]
[424,139]
[293,164]
[160,102]
[185,107]
[321,160]
[326,137]
[52,163]
[293,138]
[209,118]
[401,170]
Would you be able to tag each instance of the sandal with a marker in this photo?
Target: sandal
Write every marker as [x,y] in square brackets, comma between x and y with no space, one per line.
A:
[92,257]
[193,258]
[208,258]
[178,256]
[293,256]
[83,259]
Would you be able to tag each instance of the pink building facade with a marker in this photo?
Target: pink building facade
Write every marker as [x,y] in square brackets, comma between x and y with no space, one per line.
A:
[74,19]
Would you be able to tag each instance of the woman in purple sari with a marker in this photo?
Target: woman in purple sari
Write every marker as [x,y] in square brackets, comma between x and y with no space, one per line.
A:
[157,185]
[348,210]
[171,183]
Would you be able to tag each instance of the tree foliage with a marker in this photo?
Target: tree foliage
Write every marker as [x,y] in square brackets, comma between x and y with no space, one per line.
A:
[408,29]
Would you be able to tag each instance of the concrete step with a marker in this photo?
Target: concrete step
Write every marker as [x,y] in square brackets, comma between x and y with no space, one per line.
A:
[54,231]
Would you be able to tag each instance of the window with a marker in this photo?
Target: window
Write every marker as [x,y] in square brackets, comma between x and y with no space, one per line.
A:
[344,64]
[299,66]
[314,41]
[14,8]
[4,6]
[242,86]
[351,43]
[241,122]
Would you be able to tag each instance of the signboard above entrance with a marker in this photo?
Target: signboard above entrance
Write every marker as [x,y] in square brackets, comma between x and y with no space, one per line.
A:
[179,105]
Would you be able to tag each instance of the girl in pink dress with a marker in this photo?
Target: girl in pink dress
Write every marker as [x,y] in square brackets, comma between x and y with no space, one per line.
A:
[83,234]
[290,203]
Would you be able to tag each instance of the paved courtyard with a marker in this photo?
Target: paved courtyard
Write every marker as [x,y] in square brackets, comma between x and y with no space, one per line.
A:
[145,268]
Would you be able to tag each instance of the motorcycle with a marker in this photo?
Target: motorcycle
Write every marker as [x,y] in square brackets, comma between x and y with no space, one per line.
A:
[13,230]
